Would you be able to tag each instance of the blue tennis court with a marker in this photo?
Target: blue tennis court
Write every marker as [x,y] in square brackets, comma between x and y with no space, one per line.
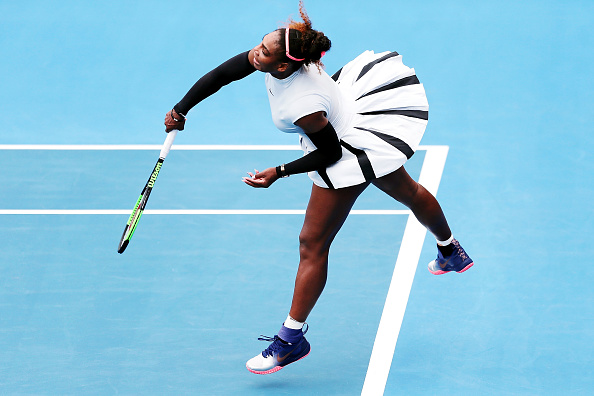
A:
[84,90]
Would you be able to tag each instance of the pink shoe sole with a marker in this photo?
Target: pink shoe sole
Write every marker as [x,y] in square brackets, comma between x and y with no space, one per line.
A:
[440,272]
[465,268]
[274,369]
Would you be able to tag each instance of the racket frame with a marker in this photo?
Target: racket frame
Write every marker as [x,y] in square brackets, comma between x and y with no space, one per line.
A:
[145,194]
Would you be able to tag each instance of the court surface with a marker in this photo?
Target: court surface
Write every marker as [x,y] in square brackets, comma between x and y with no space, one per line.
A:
[84,89]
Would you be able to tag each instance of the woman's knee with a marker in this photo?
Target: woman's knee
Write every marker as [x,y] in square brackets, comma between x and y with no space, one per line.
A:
[313,244]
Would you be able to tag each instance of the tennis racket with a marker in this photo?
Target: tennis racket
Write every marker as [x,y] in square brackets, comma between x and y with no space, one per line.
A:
[144,195]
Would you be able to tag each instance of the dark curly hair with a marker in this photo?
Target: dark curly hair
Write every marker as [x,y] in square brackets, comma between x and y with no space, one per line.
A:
[304,42]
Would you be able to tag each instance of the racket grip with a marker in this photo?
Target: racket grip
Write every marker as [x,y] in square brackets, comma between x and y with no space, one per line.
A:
[167,145]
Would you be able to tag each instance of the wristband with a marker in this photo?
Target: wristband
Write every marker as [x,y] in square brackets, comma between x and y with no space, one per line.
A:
[280,171]
[183,118]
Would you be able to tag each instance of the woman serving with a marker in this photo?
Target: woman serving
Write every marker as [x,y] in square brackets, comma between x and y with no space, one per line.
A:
[356,128]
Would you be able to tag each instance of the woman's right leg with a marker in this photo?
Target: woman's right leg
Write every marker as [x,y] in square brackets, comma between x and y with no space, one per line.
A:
[400,186]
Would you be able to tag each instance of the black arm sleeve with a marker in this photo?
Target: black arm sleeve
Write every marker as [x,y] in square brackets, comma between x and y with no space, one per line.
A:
[328,152]
[234,69]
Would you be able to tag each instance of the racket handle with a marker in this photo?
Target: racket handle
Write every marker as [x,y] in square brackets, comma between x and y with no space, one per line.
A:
[168,142]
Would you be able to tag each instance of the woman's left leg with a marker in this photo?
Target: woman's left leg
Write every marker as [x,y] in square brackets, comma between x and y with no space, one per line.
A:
[326,213]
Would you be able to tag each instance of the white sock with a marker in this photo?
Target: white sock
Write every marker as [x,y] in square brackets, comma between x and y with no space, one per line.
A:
[291,323]
[446,242]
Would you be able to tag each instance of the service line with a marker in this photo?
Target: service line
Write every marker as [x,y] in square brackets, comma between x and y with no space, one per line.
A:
[402,279]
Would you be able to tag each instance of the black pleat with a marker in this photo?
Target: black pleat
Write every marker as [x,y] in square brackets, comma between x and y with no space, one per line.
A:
[392,140]
[336,75]
[421,114]
[368,66]
[363,159]
[411,80]
[324,175]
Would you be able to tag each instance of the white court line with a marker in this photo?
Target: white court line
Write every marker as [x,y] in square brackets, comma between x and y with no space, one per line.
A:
[402,279]
[108,147]
[404,270]
[186,212]
[193,147]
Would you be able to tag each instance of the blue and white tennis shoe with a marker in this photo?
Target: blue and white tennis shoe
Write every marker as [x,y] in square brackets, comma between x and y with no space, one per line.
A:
[278,355]
[458,261]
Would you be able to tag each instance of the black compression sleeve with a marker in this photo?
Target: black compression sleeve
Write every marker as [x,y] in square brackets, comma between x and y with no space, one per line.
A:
[328,152]
[234,69]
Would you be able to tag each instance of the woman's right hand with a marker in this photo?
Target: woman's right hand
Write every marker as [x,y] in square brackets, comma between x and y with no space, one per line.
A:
[261,179]
[171,123]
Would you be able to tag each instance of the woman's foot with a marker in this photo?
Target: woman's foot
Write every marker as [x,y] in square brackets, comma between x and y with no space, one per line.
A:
[458,261]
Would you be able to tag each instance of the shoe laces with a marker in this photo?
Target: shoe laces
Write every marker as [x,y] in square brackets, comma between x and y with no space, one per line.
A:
[460,251]
[276,343]
[274,347]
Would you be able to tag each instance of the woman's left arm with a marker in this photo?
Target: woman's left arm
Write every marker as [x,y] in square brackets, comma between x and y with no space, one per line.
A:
[328,150]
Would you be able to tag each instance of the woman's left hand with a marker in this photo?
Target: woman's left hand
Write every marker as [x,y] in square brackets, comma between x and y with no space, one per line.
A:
[261,179]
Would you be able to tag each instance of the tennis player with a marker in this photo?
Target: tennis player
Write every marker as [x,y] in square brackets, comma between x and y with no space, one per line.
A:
[356,128]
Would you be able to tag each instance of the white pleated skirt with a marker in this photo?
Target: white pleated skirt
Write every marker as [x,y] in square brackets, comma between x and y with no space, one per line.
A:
[389,116]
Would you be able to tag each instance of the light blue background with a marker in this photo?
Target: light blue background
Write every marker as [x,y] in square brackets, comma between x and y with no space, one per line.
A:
[510,89]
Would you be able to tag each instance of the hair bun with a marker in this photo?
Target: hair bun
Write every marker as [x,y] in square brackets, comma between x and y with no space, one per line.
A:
[312,44]
[322,43]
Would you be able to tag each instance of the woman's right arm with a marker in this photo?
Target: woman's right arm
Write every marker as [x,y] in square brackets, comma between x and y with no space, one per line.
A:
[234,69]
